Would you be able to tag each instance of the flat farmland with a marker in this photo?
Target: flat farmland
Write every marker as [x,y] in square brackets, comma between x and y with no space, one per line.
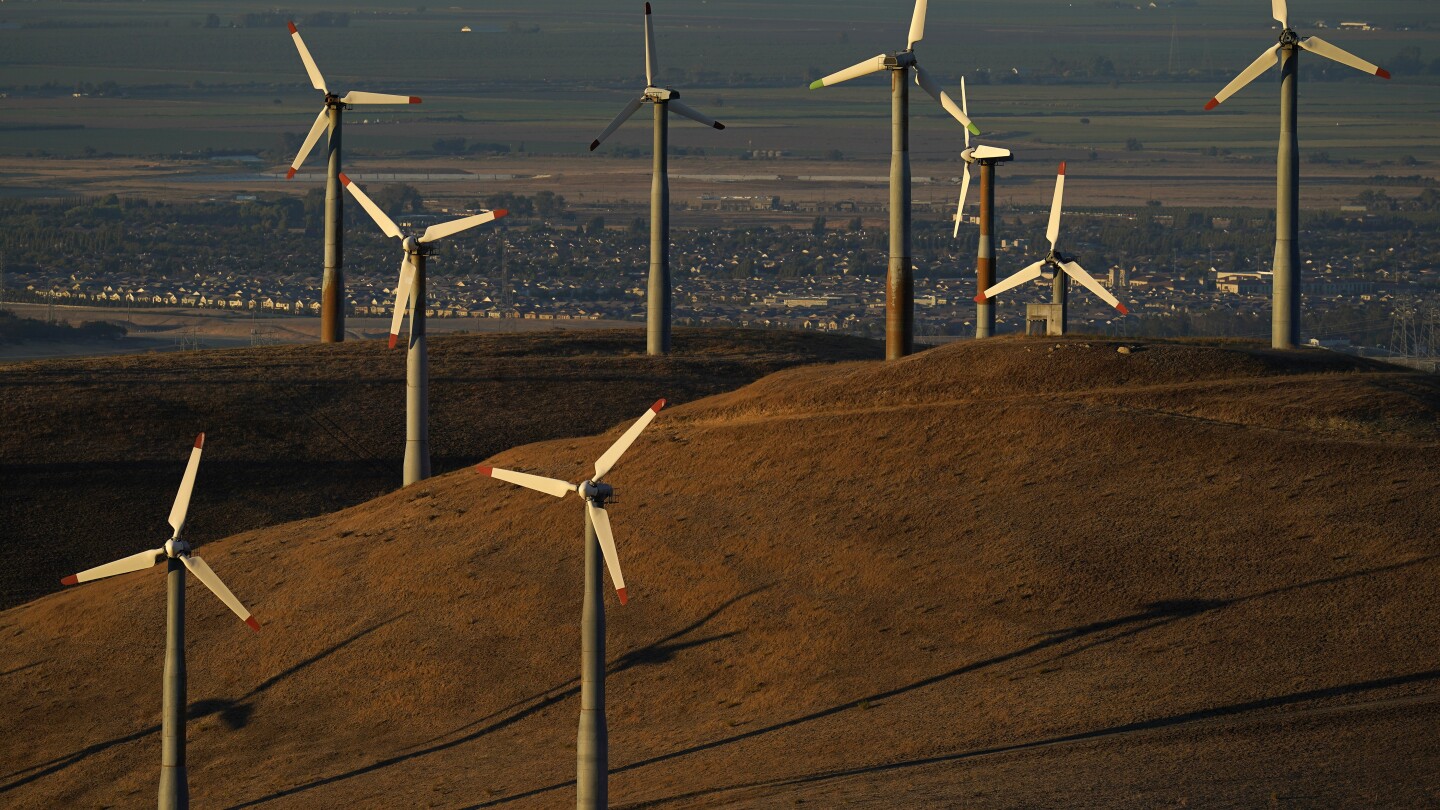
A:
[541,80]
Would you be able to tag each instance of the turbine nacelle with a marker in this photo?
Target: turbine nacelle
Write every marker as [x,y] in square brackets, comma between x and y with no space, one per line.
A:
[412,245]
[175,547]
[900,61]
[594,492]
[991,153]
[654,94]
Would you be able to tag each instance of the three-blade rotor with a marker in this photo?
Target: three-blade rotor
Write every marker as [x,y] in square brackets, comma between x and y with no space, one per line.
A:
[904,60]
[1056,261]
[405,289]
[174,548]
[965,181]
[1273,55]
[591,490]
[322,121]
[653,94]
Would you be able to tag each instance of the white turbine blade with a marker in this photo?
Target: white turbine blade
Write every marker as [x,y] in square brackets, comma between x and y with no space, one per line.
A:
[315,77]
[1028,274]
[386,223]
[853,72]
[444,229]
[917,24]
[134,562]
[203,572]
[614,125]
[960,209]
[1320,47]
[686,110]
[357,97]
[601,521]
[928,83]
[1281,12]
[651,69]
[1267,60]
[549,486]
[965,108]
[1078,273]
[187,485]
[322,122]
[623,443]
[1053,232]
[403,291]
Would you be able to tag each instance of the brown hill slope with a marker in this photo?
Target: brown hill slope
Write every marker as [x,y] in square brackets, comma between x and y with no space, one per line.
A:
[990,575]
[91,450]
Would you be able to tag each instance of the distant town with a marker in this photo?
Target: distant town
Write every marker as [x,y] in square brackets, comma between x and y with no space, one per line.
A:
[1180,272]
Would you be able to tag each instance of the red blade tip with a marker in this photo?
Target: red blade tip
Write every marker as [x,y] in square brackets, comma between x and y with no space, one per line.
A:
[1212,104]
[1123,309]
[344,181]
[719,125]
[501,212]
[647,8]
[254,625]
[1383,73]
[1062,168]
[594,145]
[980,299]
[658,405]
[70,580]
[292,26]
[393,338]
[200,441]
[414,99]
[290,175]
[621,593]
[483,470]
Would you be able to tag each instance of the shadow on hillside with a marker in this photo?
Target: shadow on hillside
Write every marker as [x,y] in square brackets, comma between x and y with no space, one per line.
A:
[1097,634]
[654,653]
[234,713]
[1186,718]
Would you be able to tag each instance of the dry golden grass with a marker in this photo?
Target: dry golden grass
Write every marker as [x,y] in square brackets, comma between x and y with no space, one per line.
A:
[1018,573]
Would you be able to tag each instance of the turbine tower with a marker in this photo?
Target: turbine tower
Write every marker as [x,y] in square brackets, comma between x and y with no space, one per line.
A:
[900,275]
[1285,306]
[988,157]
[332,289]
[592,760]
[410,290]
[174,784]
[657,296]
[1055,268]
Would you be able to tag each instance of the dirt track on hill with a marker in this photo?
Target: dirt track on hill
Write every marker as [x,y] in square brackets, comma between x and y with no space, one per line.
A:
[1017,573]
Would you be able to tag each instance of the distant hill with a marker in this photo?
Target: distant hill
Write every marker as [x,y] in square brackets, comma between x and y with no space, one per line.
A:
[1012,574]
[91,450]
[18,329]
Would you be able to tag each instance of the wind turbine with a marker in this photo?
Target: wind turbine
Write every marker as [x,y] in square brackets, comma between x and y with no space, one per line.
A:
[592,749]
[988,157]
[174,784]
[411,291]
[332,289]
[1285,314]
[1055,267]
[900,276]
[657,296]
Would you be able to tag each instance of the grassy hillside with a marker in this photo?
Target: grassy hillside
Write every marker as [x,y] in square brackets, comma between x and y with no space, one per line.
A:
[1008,574]
[91,451]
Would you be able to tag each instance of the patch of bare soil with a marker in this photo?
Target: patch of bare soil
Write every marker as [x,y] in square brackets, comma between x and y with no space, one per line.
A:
[991,575]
